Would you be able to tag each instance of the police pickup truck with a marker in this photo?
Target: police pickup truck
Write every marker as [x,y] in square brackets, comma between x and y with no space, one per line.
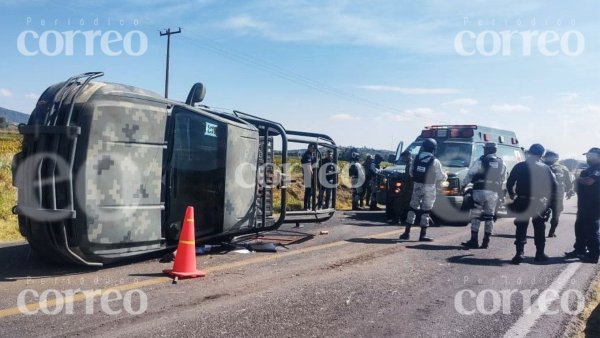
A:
[458,147]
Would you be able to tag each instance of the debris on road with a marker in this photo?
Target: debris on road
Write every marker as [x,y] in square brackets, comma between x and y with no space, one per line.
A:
[324,232]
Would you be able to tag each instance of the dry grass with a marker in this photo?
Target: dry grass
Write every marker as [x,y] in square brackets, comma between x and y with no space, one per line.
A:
[587,323]
[295,191]
[10,144]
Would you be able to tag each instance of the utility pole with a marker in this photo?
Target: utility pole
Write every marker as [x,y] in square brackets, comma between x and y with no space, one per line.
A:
[168,33]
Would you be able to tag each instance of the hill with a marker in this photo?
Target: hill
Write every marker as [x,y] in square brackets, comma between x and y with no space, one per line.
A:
[13,116]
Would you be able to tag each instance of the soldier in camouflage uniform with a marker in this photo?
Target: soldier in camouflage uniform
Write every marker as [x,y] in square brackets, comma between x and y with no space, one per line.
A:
[426,171]
[487,174]
[565,187]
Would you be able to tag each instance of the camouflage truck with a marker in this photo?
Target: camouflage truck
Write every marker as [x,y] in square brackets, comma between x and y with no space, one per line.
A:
[106,171]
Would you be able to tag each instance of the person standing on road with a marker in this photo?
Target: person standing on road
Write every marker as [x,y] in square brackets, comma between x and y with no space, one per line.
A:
[357,177]
[565,186]
[426,171]
[366,188]
[532,186]
[308,161]
[588,210]
[399,204]
[374,171]
[487,175]
[327,170]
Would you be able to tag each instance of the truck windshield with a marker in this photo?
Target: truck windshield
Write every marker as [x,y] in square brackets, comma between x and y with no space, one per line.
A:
[450,154]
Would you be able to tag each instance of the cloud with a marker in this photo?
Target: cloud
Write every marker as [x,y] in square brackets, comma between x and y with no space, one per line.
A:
[244,22]
[409,115]
[5,92]
[569,97]
[412,91]
[591,109]
[508,108]
[32,96]
[461,102]
[343,117]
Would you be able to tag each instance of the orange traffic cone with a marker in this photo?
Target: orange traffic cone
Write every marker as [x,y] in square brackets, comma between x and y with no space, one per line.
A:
[185,260]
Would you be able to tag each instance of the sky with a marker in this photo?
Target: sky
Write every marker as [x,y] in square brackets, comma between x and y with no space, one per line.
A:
[367,73]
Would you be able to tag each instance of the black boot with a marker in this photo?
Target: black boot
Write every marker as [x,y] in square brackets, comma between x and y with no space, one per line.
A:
[355,206]
[519,256]
[361,204]
[552,230]
[473,243]
[406,234]
[423,237]
[540,256]
[486,240]
[589,258]
[574,254]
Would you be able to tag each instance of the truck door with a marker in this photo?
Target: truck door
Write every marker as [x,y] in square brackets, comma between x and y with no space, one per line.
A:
[196,172]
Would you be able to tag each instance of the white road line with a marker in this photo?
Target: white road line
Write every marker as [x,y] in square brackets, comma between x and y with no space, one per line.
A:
[522,327]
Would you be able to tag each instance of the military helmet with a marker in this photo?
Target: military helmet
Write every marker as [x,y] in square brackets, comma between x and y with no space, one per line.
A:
[536,150]
[490,148]
[378,158]
[550,157]
[369,157]
[429,145]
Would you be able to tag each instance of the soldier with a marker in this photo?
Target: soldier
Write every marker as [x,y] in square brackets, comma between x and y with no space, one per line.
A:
[588,211]
[426,171]
[308,161]
[327,181]
[565,186]
[399,205]
[357,175]
[532,196]
[366,188]
[374,170]
[487,175]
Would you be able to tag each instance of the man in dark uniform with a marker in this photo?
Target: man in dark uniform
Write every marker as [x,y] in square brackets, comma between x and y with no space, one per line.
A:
[565,187]
[308,161]
[535,188]
[327,177]
[399,205]
[588,211]
[374,169]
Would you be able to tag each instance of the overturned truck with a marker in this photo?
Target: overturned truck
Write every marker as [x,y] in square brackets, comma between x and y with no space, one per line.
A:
[106,172]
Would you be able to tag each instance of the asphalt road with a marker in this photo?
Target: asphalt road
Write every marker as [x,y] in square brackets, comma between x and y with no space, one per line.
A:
[359,280]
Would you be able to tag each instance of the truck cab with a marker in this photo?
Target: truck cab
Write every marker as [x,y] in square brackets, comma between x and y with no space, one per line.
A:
[458,147]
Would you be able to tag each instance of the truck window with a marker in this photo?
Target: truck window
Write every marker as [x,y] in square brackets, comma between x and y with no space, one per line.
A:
[509,155]
[450,154]
[453,154]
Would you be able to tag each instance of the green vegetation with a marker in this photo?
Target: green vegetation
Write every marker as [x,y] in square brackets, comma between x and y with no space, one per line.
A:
[10,144]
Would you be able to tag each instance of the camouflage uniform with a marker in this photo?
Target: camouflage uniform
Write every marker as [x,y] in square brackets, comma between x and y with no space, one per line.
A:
[487,175]
[426,171]
[565,186]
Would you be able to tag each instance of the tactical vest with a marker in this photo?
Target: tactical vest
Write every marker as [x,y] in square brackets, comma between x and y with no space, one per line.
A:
[490,175]
[423,171]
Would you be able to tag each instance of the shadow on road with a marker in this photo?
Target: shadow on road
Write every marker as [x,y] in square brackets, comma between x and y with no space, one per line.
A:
[471,260]
[374,240]
[19,262]
[367,218]
[592,327]
[433,247]
[509,236]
